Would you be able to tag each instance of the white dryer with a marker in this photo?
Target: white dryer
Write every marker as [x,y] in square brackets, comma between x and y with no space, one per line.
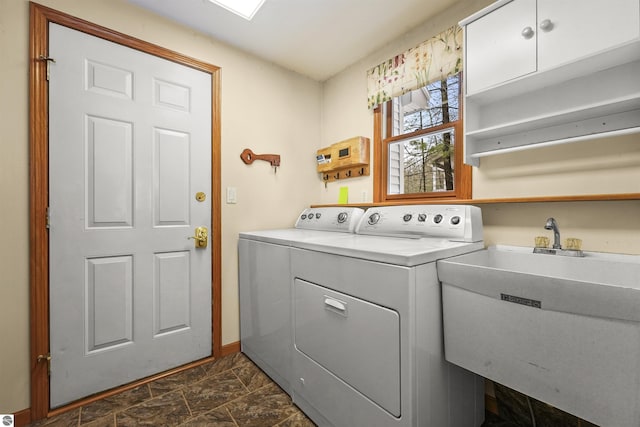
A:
[264,281]
[367,321]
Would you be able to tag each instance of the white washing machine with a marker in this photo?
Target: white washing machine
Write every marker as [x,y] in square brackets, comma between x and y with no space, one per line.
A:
[264,281]
[367,321]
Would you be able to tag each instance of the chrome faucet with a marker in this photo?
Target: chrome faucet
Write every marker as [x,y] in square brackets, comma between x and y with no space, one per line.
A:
[557,248]
[553,225]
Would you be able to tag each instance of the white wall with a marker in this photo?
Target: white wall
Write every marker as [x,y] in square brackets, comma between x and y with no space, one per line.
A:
[14,208]
[599,166]
[264,108]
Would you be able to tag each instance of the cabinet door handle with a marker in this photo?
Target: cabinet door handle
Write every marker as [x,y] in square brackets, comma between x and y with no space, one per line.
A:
[546,25]
[527,32]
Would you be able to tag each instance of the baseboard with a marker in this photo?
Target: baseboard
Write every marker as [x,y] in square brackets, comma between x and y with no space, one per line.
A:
[22,418]
[230,348]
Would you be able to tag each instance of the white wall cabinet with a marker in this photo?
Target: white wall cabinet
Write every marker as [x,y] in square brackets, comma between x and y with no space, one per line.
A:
[550,71]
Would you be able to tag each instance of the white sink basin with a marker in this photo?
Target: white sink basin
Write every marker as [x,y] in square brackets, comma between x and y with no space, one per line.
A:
[598,284]
[563,330]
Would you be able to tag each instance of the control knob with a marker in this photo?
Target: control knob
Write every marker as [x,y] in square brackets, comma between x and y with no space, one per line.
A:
[407,217]
[342,217]
[437,219]
[455,220]
[422,217]
[374,218]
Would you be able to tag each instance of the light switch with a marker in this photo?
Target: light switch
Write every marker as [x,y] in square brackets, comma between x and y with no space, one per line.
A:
[231,195]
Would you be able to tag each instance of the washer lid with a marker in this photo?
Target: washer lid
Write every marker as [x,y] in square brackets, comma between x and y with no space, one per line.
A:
[288,236]
[390,250]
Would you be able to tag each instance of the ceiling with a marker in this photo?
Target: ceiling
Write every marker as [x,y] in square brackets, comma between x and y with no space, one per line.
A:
[316,38]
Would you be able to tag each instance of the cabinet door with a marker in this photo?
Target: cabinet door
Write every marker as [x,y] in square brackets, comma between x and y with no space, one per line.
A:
[580,28]
[496,50]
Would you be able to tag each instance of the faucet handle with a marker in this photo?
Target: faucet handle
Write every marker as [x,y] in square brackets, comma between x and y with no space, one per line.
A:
[542,242]
[573,244]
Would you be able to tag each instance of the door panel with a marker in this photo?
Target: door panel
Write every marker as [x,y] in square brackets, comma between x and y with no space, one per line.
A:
[171,176]
[171,95]
[171,304]
[109,148]
[109,302]
[129,147]
[108,80]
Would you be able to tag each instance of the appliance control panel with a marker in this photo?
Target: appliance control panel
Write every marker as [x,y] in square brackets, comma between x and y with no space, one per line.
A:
[341,219]
[452,222]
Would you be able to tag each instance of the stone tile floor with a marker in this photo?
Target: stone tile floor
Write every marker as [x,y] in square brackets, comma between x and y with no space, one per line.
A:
[229,392]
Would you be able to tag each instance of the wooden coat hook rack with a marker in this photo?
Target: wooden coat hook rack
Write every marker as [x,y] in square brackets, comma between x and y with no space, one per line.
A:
[249,157]
[353,172]
[345,159]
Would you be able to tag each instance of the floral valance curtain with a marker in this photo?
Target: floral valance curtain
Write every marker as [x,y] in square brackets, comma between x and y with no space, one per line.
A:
[432,60]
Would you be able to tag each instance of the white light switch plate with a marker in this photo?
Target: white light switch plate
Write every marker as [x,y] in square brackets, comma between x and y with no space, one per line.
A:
[231,195]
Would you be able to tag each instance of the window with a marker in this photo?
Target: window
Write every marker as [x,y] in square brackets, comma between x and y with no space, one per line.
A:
[418,142]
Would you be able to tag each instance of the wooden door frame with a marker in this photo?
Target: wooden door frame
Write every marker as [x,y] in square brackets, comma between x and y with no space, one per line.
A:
[40,17]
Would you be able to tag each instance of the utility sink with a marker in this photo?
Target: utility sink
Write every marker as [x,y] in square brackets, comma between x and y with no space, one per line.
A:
[564,330]
[598,284]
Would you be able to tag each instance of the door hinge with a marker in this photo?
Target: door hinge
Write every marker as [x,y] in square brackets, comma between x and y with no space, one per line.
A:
[48,61]
[45,358]
[47,218]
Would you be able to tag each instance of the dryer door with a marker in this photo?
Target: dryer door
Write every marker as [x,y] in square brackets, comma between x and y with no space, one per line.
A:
[357,341]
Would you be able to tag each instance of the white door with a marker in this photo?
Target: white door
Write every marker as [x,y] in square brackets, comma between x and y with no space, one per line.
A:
[130,146]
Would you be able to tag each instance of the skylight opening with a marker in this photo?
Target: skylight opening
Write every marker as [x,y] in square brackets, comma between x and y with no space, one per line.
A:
[245,8]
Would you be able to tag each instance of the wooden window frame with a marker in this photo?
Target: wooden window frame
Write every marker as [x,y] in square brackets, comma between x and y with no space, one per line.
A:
[382,137]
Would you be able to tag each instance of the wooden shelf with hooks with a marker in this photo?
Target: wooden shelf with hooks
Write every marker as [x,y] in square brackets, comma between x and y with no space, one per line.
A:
[354,172]
[345,159]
